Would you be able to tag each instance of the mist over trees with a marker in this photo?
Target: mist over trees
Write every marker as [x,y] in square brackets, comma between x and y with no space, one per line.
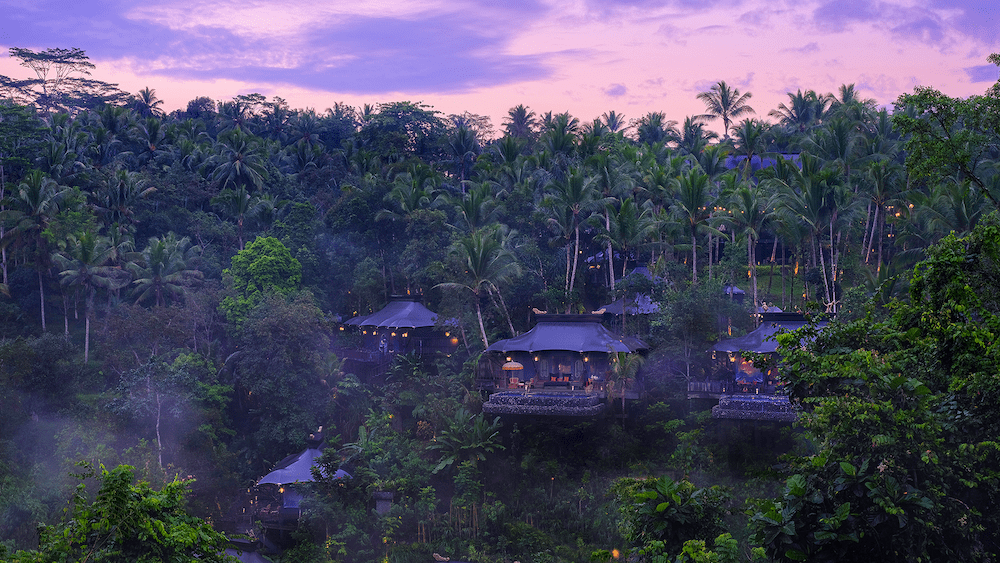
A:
[173,283]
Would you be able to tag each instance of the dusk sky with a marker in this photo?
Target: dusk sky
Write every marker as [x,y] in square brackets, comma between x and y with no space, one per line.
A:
[482,56]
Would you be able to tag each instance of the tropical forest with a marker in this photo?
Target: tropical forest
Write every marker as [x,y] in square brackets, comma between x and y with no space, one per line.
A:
[178,292]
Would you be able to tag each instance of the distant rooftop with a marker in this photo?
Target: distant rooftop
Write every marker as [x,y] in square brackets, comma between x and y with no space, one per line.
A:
[402,312]
[574,333]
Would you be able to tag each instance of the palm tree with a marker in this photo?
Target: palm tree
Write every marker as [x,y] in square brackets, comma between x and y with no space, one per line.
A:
[654,128]
[573,198]
[464,148]
[882,180]
[240,161]
[615,122]
[36,203]
[813,198]
[850,105]
[803,110]
[838,142]
[521,123]
[613,178]
[488,264]
[146,104]
[117,195]
[751,208]
[84,264]
[476,208]
[240,205]
[693,138]
[623,227]
[694,206]
[750,136]
[412,192]
[561,135]
[162,269]
[726,103]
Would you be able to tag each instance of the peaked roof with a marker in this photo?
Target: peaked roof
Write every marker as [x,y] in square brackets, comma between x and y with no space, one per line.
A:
[762,340]
[641,305]
[574,333]
[297,468]
[398,314]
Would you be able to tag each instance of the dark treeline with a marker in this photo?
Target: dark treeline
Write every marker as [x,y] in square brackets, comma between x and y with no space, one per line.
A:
[173,284]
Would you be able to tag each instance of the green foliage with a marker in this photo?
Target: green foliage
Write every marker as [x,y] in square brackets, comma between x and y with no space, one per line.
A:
[283,376]
[468,438]
[659,514]
[128,522]
[904,414]
[265,266]
[946,136]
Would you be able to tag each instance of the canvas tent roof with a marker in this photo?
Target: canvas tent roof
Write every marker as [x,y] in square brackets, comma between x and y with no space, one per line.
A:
[297,468]
[575,333]
[761,340]
[398,314]
[641,305]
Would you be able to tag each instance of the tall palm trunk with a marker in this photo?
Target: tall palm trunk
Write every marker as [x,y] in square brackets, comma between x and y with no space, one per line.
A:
[752,263]
[86,332]
[482,327]
[41,297]
[576,256]
[611,256]
[694,257]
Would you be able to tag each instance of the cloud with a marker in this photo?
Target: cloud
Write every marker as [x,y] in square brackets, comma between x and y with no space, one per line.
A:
[806,49]
[979,19]
[443,50]
[615,90]
[981,73]
[927,29]
[837,15]
[934,21]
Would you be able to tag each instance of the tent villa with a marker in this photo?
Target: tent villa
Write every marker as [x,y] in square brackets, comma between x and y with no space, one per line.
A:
[403,326]
[562,366]
[744,391]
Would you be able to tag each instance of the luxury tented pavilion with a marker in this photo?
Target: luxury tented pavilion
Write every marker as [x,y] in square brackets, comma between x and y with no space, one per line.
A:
[274,502]
[403,326]
[745,392]
[564,366]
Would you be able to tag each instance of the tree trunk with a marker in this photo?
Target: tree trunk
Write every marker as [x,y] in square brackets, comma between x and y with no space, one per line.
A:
[576,256]
[159,440]
[499,303]
[86,333]
[482,327]
[65,300]
[694,257]
[611,255]
[41,297]
[752,263]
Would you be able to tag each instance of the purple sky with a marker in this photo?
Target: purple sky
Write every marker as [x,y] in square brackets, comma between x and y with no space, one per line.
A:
[581,56]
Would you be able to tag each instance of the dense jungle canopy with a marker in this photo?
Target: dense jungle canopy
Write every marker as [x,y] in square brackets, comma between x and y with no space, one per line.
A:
[173,286]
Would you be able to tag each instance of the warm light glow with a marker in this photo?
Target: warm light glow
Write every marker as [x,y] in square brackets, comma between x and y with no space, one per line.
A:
[615,553]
